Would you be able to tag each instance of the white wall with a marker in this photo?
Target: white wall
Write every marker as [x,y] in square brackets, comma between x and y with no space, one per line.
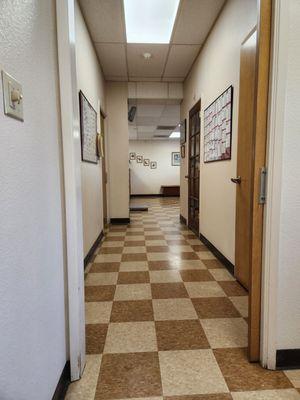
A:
[32,308]
[216,68]
[145,180]
[91,83]
[117,149]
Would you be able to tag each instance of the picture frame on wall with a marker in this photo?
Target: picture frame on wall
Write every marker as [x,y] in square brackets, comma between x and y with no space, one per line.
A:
[175,159]
[153,164]
[139,159]
[183,131]
[132,156]
[88,130]
[146,162]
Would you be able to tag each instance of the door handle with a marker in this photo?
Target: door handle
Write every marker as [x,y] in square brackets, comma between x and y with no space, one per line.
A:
[187,177]
[236,180]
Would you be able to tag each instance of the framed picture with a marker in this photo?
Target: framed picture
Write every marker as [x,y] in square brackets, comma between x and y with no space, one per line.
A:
[146,162]
[182,151]
[183,131]
[88,130]
[153,164]
[175,159]
[139,159]
[132,156]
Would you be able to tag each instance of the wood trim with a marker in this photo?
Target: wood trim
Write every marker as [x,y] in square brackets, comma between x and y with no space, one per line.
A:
[147,195]
[288,359]
[227,264]
[63,383]
[102,113]
[259,159]
[92,250]
[183,220]
[120,221]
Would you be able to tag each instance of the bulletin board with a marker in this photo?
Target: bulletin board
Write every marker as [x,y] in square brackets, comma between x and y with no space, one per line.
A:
[88,130]
[218,128]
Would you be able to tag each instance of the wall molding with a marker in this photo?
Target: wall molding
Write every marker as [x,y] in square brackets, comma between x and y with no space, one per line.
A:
[183,220]
[63,383]
[288,359]
[120,221]
[146,195]
[92,250]
[218,254]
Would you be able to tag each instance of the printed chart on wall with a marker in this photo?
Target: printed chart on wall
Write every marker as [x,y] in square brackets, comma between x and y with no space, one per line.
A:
[88,128]
[218,128]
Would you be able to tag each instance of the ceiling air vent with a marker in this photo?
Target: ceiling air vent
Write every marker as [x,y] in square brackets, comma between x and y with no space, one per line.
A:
[165,127]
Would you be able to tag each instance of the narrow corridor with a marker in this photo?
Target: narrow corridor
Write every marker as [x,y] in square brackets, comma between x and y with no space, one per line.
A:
[165,318]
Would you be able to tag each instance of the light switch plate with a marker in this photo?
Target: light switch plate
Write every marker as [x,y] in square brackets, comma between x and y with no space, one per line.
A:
[12,108]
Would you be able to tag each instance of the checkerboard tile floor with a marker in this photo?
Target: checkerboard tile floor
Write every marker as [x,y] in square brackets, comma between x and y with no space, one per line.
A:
[165,319]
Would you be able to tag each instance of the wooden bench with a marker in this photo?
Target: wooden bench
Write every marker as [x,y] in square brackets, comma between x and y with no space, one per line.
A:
[168,191]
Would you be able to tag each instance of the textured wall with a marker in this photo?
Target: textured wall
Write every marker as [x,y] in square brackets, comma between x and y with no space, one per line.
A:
[32,307]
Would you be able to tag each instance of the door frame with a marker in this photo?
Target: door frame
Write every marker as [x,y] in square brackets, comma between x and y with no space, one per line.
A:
[69,105]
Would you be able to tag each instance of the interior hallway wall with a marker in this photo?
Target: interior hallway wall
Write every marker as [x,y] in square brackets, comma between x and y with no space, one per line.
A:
[117,148]
[33,319]
[145,180]
[91,83]
[216,68]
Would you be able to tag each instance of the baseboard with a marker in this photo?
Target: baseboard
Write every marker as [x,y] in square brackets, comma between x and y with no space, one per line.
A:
[146,195]
[63,383]
[288,359]
[183,220]
[218,254]
[90,254]
[120,221]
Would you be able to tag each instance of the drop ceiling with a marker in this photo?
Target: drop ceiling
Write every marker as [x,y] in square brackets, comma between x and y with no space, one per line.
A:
[154,119]
[122,61]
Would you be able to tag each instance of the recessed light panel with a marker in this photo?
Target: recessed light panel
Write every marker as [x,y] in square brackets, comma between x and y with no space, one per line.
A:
[150,21]
[175,135]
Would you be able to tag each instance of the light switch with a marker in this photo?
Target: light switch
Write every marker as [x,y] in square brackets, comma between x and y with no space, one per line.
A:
[12,96]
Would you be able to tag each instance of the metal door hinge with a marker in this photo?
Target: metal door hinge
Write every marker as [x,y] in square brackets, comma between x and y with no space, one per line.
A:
[263,185]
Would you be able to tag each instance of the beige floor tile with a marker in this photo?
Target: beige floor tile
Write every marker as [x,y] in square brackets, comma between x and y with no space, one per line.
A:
[226,332]
[221,274]
[134,238]
[98,313]
[131,266]
[194,242]
[241,304]
[108,258]
[174,237]
[141,291]
[133,250]
[179,249]
[113,244]
[85,388]
[106,278]
[156,243]
[166,276]
[164,257]
[190,372]
[206,255]
[189,264]
[112,233]
[173,309]
[204,289]
[294,377]
[284,394]
[131,337]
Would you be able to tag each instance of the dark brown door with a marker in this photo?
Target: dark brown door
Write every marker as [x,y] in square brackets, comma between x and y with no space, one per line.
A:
[104,174]
[194,168]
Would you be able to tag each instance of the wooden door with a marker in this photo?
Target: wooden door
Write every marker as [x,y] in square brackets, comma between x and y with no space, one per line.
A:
[104,174]
[244,160]
[194,168]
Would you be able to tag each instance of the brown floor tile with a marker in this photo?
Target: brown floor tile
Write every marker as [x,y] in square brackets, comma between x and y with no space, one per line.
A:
[168,290]
[191,236]
[180,335]
[152,229]
[161,265]
[199,247]
[131,311]
[188,255]
[154,237]
[212,264]
[133,277]
[105,267]
[232,288]
[177,242]
[115,239]
[100,293]
[196,275]
[129,375]
[215,307]
[240,375]
[158,249]
[118,228]
[221,396]
[134,257]
[111,250]
[95,338]
[135,243]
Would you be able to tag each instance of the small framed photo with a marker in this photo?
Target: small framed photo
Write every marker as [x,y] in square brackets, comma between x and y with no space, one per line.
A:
[146,162]
[176,159]
[182,151]
[132,156]
[153,164]
[183,131]
[139,159]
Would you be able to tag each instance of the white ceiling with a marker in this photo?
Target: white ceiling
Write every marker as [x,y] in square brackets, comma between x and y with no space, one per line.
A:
[169,62]
[149,115]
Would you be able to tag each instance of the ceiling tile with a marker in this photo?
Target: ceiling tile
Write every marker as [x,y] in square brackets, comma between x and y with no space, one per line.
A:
[180,59]
[104,19]
[195,20]
[112,58]
[139,66]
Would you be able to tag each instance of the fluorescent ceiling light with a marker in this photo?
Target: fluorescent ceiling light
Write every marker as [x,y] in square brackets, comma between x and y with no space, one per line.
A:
[150,21]
[175,135]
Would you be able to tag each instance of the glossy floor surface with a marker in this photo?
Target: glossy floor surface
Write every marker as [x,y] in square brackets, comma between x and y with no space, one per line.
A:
[164,319]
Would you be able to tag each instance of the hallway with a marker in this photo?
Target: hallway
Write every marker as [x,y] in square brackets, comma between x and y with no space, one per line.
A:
[165,318]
